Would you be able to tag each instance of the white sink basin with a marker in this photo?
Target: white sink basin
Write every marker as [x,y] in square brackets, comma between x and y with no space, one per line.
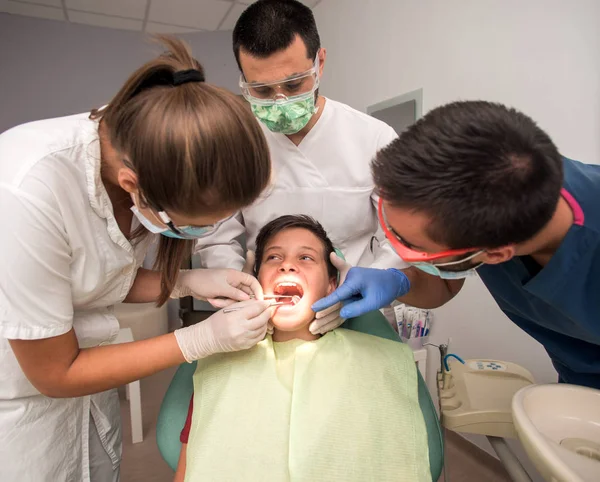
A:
[559,426]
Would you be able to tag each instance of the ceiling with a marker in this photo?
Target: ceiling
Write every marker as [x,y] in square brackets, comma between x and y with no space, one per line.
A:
[153,16]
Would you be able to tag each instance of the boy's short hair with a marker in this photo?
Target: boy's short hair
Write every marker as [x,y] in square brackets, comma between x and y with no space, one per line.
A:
[299,221]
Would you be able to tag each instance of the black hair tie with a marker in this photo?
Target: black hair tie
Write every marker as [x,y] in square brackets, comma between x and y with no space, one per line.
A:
[185,76]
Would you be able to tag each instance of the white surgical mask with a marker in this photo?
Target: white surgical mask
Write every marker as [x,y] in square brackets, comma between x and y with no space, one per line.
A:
[438,269]
[435,271]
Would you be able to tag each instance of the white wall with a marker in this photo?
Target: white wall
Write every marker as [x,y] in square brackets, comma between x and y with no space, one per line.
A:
[541,56]
[50,68]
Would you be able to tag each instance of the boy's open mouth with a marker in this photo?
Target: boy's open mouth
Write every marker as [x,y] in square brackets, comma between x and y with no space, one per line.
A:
[286,289]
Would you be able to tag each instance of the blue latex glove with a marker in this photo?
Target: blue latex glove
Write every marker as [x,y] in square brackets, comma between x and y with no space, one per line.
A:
[366,289]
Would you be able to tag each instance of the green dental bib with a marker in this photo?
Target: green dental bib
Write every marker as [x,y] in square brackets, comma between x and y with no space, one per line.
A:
[341,408]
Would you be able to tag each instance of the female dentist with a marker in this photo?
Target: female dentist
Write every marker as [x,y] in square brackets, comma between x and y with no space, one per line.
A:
[174,155]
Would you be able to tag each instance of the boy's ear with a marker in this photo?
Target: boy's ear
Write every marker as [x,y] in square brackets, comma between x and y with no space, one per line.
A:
[250,264]
[333,283]
[340,255]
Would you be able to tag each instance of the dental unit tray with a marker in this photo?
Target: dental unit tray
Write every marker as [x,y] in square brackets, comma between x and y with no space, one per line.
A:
[476,397]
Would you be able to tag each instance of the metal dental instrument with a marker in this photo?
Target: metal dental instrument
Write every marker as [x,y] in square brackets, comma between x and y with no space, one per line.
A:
[277,303]
[272,297]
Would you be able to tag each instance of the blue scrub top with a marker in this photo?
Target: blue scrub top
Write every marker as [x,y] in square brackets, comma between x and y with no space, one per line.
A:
[559,304]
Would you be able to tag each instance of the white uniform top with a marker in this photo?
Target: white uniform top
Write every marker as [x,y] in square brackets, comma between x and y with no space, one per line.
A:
[328,177]
[64,264]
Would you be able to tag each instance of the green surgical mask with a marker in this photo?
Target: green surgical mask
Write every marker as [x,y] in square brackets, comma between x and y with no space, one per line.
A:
[289,116]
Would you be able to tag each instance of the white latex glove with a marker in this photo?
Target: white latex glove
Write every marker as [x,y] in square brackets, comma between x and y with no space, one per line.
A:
[210,284]
[225,332]
[249,268]
[329,319]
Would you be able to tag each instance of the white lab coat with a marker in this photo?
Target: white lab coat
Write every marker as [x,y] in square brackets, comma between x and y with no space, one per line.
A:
[64,264]
[328,177]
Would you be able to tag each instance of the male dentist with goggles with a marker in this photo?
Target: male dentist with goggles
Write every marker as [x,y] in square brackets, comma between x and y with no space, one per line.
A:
[320,151]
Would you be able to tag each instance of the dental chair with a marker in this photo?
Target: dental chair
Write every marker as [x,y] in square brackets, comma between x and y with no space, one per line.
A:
[174,408]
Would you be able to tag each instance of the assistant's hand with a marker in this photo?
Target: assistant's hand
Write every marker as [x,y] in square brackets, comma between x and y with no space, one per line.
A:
[209,284]
[226,332]
[366,289]
[330,318]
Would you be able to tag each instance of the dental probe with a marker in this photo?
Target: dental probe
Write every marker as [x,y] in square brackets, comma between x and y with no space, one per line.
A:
[236,308]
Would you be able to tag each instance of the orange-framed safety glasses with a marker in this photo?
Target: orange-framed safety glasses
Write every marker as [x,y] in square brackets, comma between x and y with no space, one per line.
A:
[408,254]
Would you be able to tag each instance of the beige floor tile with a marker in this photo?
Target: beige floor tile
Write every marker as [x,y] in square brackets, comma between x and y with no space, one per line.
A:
[142,462]
[467,463]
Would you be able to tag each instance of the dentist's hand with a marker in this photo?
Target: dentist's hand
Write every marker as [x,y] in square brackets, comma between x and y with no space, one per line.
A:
[226,332]
[329,318]
[366,289]
[210,284]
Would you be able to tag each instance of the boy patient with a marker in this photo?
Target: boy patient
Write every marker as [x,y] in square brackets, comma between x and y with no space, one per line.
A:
[303,407]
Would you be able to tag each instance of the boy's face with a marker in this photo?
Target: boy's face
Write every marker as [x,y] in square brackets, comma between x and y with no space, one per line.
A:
[294,263]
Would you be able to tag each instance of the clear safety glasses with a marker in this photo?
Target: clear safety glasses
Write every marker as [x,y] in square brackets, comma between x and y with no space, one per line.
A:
[188,231]
[412,256]
[171,230]
[269,93]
